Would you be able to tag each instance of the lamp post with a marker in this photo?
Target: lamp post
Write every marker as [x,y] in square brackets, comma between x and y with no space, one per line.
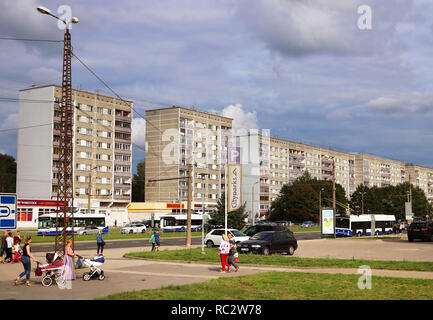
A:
[90,190]
[205,175]
[65,197]
[252,204]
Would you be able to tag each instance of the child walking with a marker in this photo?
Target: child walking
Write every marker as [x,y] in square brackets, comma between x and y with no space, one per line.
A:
[17,250]
[153,241]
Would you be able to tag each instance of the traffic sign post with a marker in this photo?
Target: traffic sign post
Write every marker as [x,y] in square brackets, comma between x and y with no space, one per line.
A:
[8,211]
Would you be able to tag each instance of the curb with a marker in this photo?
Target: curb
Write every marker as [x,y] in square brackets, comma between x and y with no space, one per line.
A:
[288,268]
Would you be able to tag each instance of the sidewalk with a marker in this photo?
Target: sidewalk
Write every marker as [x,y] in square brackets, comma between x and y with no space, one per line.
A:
[126,274]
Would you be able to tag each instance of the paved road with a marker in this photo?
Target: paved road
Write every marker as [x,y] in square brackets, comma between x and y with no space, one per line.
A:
[165,242]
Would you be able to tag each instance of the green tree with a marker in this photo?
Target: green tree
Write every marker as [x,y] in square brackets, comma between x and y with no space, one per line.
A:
[235,219]
[8,171]
[299,201]
[138,183]
[390,200]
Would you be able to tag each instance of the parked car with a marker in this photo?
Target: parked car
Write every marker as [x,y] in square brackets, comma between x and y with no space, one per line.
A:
[285,223]
[133,228]
[420,230]
[307,224]
[213,238]
[269,242]
[250,231]
[88,230]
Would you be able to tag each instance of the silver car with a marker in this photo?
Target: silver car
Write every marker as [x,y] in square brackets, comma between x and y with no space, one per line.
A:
[88,230]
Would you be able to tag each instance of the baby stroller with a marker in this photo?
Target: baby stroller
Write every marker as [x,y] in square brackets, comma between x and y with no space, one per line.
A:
[53,270]
[93,264]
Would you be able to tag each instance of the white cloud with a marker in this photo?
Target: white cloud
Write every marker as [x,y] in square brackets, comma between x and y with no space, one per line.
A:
[413,102]
[10,122]
[300,27]
[241,119]
[139,131]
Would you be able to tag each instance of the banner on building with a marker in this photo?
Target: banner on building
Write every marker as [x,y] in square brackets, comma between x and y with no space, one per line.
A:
[234,182]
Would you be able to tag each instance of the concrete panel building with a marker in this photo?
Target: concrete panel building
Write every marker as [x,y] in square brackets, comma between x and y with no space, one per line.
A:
[175,138]
[102,148]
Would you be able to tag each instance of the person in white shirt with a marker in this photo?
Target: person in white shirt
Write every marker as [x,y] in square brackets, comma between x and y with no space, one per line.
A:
[9,243]
[223,252]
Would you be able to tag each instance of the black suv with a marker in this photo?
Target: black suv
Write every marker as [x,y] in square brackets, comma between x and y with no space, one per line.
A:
[264,227]
[269,242]
[420,230]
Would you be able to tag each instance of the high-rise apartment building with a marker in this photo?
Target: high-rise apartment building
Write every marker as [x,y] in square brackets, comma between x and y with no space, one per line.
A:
[421,177]
[177,137]
[373,171]
[102,148]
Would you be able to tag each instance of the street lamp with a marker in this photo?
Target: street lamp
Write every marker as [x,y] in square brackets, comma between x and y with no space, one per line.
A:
[47,11]
[252,203]
[320,207]
[90,189]
[204,175]
[65,191]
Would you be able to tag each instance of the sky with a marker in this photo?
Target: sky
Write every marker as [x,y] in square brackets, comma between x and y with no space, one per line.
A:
[314,71]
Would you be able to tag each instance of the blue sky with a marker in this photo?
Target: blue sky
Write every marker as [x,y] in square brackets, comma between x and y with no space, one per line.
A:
[301,68]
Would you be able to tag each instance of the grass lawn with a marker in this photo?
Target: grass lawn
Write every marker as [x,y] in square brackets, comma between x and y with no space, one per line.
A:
[113,234]
[211,255]
[289,286]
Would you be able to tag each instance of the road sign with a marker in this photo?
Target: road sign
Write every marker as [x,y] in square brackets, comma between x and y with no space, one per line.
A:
[8,211]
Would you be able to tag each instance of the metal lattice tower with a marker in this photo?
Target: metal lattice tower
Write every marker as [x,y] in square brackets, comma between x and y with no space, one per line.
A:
[65,195]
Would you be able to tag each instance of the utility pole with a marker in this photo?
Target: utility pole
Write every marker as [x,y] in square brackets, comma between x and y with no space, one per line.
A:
[334,206]
[89,192]
[188,219]
[65,195]
[362,203]
[410,194]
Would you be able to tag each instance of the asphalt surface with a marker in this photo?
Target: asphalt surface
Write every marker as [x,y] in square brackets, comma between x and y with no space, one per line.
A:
[133,243]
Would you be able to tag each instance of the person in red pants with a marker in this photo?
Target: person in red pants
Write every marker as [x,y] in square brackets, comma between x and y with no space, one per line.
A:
[223,252]
[17,250]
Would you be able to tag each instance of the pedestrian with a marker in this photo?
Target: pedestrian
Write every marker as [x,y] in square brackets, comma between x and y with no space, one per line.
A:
[100,242]
[17,237]
[157,239]
[3,246]
[232,252]
[25,260]
[223,252]
[152,241]
[68,262]
[10,244]
[17,250]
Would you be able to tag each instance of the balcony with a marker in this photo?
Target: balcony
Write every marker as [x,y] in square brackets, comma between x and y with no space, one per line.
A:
[122,140]
[125,152]
[297,155]
[327,161]
[123,118]
[122,174]
[126,197]
[186,125]
[122,129]
[121,162]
